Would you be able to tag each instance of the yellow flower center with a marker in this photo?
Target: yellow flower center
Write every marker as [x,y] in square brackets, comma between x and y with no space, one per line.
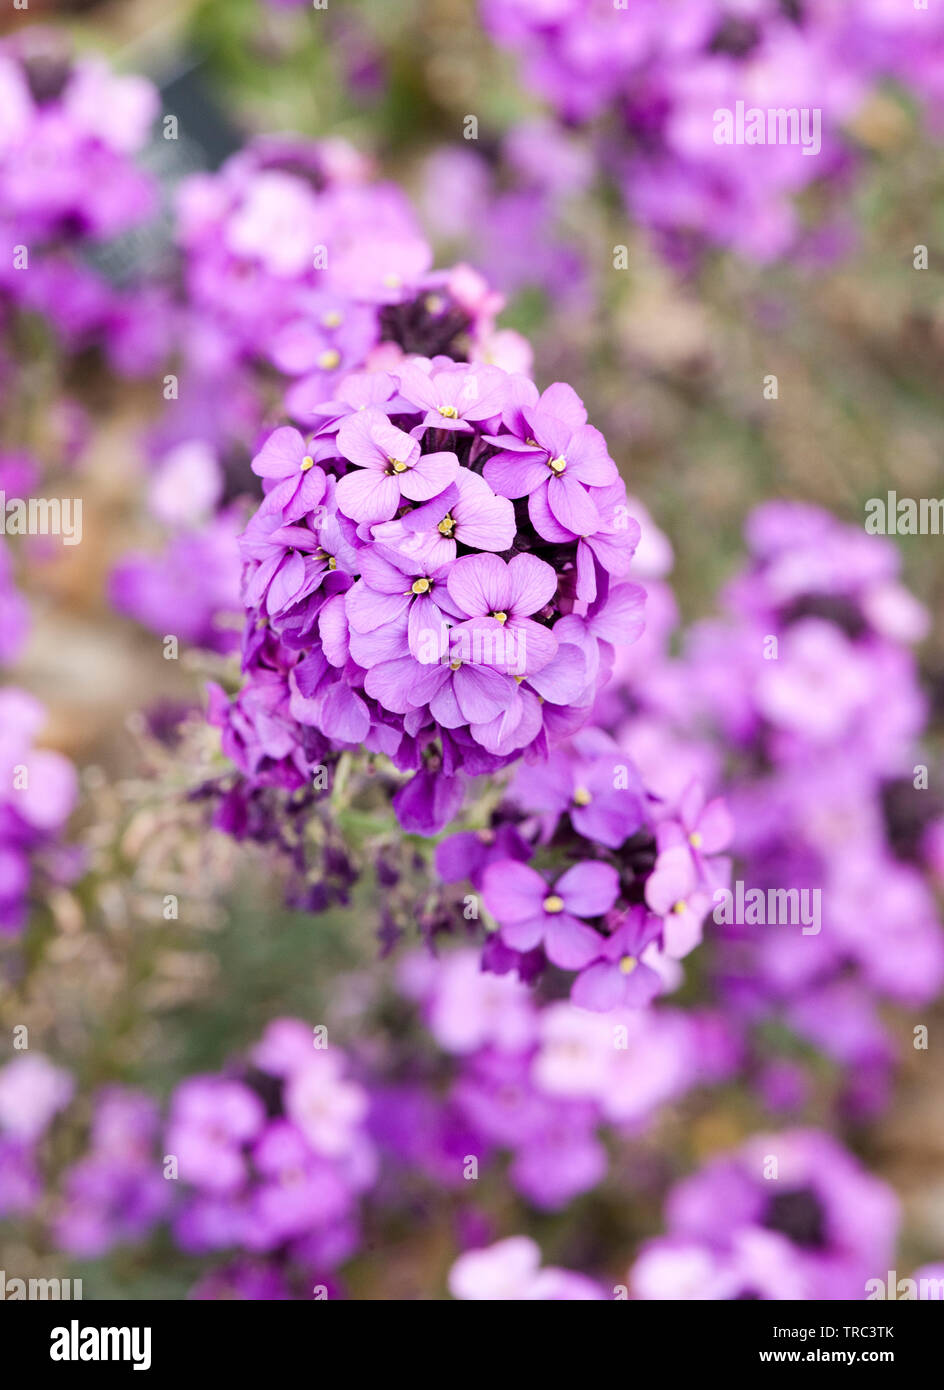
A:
[500,617]
[518,680]
[393,282]
[627,965]
[329,360]
[420,586]
[454,665]
[679,907]
[449,411]
[557,465]
[332,563]
[397,465]
[307,462]
[332,319]
[582,797]
[553,903]
[695,840]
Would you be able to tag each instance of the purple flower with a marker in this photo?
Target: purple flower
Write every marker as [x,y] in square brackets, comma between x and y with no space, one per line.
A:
[32,1091]
[454,400]
[499,598]
[553,462]
[326,1107]
[428,802]
[299,483]
[531,913]
[468,854]
[390,466]
[510,1271]
[531,702]
[367,620]
[211,1120]
[21,1185]
[835,1225]
[333,338]
[191,588]
[288,565]
[467,513]
[614,618]
[399,591]
[619,978]
[458,692]
[675,893]
[596,785]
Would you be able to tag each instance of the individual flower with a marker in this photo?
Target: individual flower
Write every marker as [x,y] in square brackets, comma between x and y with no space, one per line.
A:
[534,913]
[553,461]
[497,598]
[467,513]
[389,466]
[594,783]
[620,978]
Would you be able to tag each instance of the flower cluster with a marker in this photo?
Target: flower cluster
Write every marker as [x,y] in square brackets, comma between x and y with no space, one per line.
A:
[789,1215]
[808,688]
[434,574]
[70,134]
[586,869]
[294,256]
[297,268]
[540,1084]
[274,1157]
[116,1192]
[653,76]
